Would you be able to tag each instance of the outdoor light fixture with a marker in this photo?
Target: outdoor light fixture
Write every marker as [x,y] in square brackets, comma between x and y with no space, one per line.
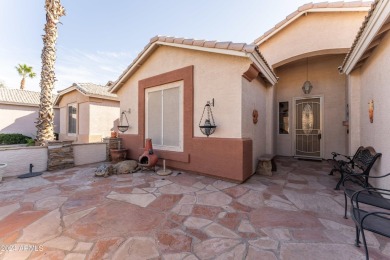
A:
[307,86]
[208,128]
[123,127]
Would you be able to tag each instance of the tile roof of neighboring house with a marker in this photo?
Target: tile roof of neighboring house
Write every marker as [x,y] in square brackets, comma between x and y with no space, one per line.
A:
[88,89]
[360,32]
[312,7]
[196,44]
[20,97]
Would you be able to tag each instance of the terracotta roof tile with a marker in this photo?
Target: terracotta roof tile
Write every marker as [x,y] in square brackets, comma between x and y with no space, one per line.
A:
[222,45]
[306,7]
[178,40]
[209,44]
[198,43]
[242,47]
[188,41]
[236,46]
[93,89]
[22,97]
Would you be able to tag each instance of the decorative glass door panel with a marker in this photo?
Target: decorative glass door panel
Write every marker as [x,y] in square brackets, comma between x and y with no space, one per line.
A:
[308,127]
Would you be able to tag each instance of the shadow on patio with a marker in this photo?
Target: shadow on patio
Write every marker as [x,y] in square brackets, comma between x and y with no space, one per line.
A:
[71,214]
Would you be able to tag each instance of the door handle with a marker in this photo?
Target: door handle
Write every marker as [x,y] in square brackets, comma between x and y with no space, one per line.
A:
[319,135]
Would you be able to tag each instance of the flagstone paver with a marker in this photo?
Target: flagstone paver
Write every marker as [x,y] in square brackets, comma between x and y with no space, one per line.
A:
[71,214]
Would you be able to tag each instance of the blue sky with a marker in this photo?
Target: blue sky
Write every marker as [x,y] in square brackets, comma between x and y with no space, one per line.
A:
[98,39]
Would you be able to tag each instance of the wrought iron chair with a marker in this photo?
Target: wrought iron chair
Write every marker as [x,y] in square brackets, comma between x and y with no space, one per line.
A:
[350,190]
[375,221]
[357,168]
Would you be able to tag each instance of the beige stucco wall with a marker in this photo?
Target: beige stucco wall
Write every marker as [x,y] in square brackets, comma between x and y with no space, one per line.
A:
[95,117]
[103,118]
[254,96]
[314,32]
[327,83]
[18,119]
[354,104]
[375,79]
[215,76]
[21,119]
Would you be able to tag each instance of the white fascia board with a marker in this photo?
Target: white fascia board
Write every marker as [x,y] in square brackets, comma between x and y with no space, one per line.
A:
[256,59]
[378,18]
[139,61]
[204,49]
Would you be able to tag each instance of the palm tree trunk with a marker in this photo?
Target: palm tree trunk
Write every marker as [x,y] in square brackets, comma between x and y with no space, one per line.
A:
[22,83]
[45,124]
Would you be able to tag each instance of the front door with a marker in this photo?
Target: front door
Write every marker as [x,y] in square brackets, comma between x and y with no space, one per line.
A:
[308,135]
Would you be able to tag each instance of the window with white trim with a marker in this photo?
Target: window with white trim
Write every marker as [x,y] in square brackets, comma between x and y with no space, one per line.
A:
[164,116]
[72,119]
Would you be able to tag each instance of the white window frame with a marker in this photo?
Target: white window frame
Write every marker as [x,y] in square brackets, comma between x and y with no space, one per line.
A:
[177,84]
[67,119]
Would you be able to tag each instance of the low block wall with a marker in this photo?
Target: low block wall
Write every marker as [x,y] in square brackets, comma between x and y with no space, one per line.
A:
[89,153]
[18,159]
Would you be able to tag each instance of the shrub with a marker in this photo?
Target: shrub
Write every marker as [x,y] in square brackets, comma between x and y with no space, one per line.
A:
[13,139]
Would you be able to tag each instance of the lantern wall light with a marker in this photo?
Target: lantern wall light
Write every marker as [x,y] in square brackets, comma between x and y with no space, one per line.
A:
[123,125]
[208,127]
[307,86]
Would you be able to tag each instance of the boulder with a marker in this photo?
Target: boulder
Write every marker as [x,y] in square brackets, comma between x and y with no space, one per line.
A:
[104,170]
[128,166]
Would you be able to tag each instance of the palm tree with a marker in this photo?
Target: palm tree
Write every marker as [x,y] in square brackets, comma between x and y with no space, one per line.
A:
[45,124]
[25,71]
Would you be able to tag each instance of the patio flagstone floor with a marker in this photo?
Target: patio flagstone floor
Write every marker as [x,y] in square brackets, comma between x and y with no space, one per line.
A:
[70,214]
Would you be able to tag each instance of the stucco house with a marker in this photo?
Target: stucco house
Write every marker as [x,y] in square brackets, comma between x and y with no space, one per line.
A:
[309,45]
[167,87]
[19,112]
[367,68]
[289,76]
[88,112]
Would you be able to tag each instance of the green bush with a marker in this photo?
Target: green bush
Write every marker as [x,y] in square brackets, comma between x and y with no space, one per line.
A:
[13,139]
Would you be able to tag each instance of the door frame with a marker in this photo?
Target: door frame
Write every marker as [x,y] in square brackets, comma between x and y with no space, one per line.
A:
[293,126]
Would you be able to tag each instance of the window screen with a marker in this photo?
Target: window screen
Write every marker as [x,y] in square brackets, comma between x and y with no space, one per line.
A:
[72,119]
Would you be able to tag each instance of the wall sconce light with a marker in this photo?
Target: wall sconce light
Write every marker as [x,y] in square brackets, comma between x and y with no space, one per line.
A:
[208,128]
[123,126]
[307,86]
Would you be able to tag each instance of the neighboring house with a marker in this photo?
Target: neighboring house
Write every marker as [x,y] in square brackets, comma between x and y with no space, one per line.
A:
[19,112]
[88,112]
[367,67]
[167,87]
[309,45]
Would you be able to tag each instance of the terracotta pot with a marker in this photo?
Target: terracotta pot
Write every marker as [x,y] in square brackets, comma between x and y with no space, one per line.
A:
[118,155]
[148,157]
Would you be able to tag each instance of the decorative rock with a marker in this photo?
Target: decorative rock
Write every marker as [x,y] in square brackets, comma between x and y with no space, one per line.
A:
[60,155]
[104,170]
[128,166]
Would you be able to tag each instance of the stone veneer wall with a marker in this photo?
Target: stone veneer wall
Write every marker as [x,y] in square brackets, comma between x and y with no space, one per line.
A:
[60,155]
[112,143]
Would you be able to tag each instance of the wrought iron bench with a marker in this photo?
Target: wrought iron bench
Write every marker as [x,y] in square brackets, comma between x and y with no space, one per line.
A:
[356,168]
[376,220]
